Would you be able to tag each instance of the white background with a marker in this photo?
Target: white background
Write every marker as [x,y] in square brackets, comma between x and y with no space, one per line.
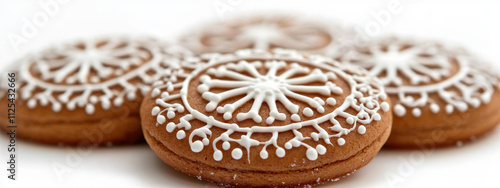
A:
[474,25]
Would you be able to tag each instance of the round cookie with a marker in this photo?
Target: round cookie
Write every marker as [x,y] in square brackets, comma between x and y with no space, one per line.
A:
[442,95]
[87,92]
[269,31]
[256,118]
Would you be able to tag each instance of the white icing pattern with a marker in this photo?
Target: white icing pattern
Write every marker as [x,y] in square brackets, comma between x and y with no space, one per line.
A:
[287,72]
[100,71]
[268,88]
[427,66]
[266,32]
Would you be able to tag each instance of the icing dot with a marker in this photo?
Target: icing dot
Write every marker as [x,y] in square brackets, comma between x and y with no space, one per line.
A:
[63,98]
[105,104]
[416,112]
[321,149]
[295,117]
[131,96]
[89,109]
[341,141]
[399,110]
[202,88]
[118,102]
[218,155]
[226,145]
[180,109]
[377,117]
[227,116]
[434,108]
[25,95]
[449,108]
[155,111]
[288,145]
[350,120]
[486,98]
[315,136]
[164,95]
[475,102]
[197,145]
[32,103]
[205,141]
[237,153]
[170,127]
[462,106]
[155,92]
[361,129]
[312,154]
[280,152]
[308,112]
[71,106]
[385,106]
[161,119]
[383,96]
[269,120]
[264,154]
[93,99]
[331,101]
[321,109]
[56,107]
[170,114]
[181,135]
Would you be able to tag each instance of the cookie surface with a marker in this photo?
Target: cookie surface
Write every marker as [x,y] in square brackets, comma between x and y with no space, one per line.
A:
[89,91]
[441,94]
[259,118]
[269,31]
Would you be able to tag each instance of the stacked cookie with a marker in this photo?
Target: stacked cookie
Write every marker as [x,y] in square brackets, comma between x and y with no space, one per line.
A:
[262,101]
[88,92]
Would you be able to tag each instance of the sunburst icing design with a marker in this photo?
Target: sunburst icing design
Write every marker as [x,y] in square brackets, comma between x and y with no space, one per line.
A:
[287,75]
[427,66]
[266,88]
[104,72]
[266,32]
[75,63]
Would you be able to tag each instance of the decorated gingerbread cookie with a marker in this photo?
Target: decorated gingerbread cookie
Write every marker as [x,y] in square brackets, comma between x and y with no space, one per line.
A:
[260,118]
[89,91]
[269,31]
[441,94]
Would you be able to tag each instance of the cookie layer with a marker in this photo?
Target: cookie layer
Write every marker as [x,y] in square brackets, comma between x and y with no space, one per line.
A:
[441,94]
[267,31]
[88,87]
[267,112]
[241,178]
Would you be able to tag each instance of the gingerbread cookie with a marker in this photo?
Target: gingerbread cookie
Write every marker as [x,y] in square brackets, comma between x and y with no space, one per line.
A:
[269,31]
[441,95]
[260,118]
[88,92]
